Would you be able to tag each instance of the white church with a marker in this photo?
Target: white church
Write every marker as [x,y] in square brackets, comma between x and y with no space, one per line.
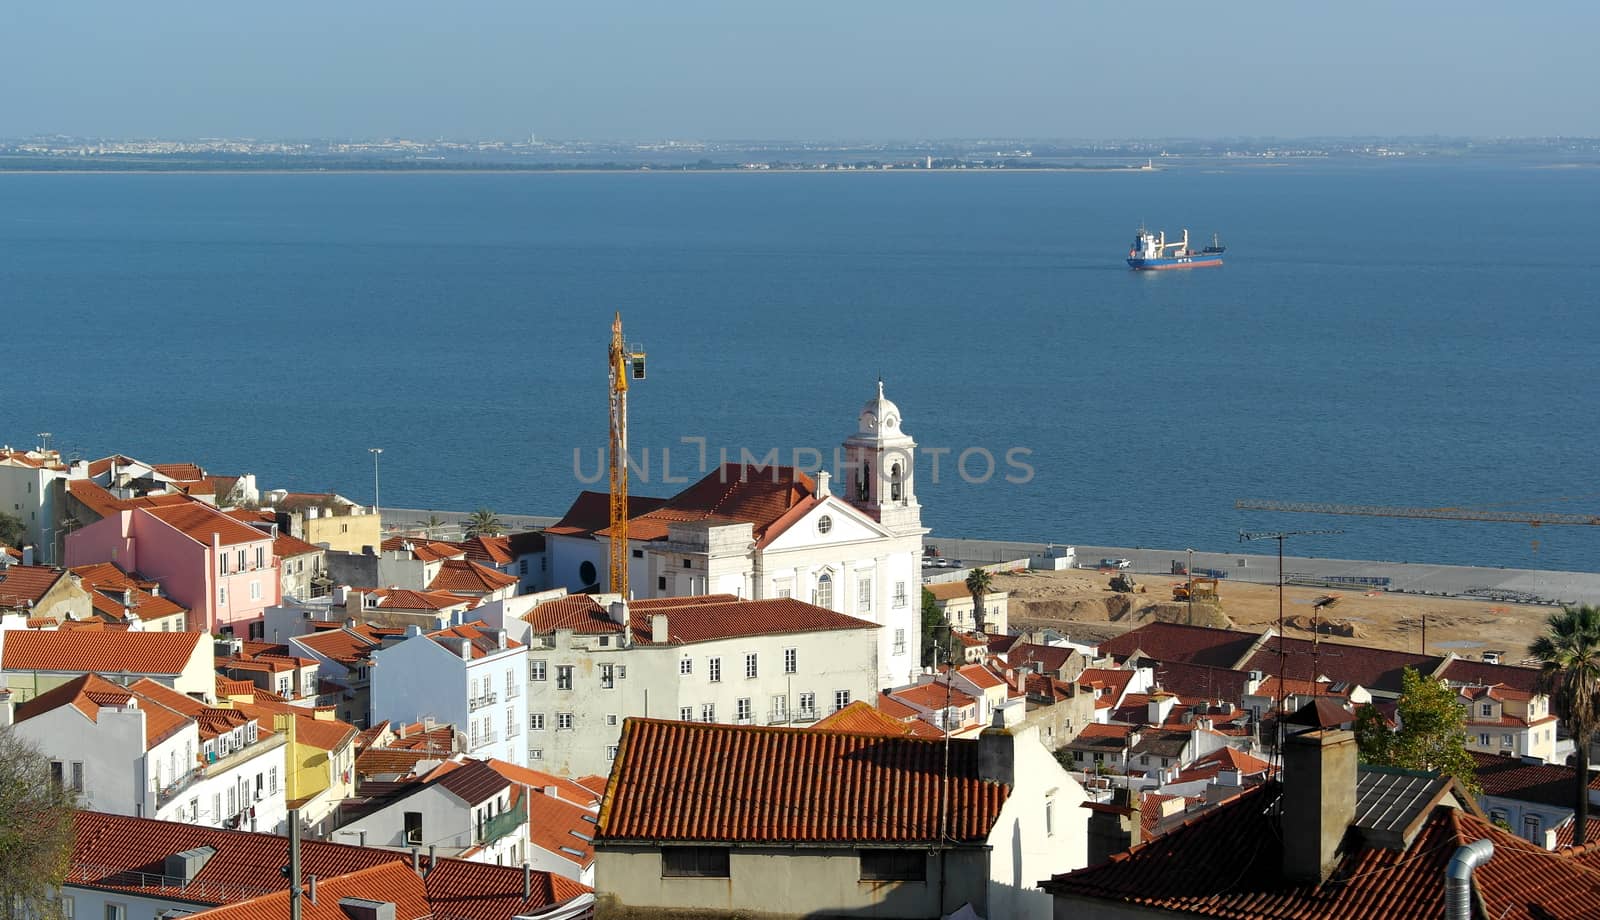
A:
[769,532]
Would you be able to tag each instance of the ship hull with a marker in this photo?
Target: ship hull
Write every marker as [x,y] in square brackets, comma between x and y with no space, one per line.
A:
[1174,262]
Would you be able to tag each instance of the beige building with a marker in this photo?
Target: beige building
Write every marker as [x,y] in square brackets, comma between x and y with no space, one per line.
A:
[34,661]
[42,592]
[325,518]
[1509,722]
[954,602]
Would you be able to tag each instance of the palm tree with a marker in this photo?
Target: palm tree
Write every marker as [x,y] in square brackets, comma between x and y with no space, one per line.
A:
[483,523]
[978,581]
[432,524]
[1569,671]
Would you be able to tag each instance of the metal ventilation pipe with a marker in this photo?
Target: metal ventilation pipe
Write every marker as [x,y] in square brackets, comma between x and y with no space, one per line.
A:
[1458,878]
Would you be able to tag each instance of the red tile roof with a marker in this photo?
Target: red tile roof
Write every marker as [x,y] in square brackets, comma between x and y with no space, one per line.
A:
[861,719]
[21,584]
[1464,671]
[591,512]
[347,645]
[699,781]
[322,734]
[199,522]
[980,677]
[562,828]
[392,882]
[1373,668]
[1218,648]
[90,692]
[491,551]
[183,472]
[1209,766]
[467,576]
[99,652]
[952,591]
[934,695]
[211,720]
[595,784]
[1591,834]
[1047,657]
[691,619]
[404,599]
[462,890]
[1111,682]
[423,550]
[1226,863]
[101,502]
[477,636]
[572,791]
[108,584]
[731,493]
[1511,778]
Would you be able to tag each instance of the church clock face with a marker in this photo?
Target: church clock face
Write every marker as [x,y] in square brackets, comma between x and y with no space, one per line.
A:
[870,422]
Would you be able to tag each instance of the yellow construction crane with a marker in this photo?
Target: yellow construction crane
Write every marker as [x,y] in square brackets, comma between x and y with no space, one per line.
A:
[1438,514]
[626,361]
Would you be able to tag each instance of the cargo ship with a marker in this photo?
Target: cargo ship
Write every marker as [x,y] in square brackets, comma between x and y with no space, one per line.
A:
[1152,252]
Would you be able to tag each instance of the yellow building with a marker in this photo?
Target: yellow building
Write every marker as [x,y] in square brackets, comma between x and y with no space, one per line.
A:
[1510,722]
[319,768]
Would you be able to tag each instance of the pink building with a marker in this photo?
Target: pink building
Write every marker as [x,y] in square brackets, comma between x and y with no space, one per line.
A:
[222,570]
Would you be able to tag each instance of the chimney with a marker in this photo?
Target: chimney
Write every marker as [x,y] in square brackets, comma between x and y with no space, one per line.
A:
[1319,801]
[8,715]
[618,612]
[527,880]
[658,629]
[822,483]
[1115,826]
[1458,878]
[27,554]
[311,891]
[1159,707]
[997,752]
[416,861]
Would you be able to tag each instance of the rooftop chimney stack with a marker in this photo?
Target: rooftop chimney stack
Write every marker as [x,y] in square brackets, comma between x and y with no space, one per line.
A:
[658,629]
[1319,801]
[1114,827]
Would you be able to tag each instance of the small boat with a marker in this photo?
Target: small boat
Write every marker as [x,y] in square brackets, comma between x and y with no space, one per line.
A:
[1150,252]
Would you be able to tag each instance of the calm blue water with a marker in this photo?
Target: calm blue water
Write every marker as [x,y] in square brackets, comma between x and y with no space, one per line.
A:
[1406,334]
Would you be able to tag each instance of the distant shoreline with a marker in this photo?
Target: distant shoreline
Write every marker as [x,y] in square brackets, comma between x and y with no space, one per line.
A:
[312,171]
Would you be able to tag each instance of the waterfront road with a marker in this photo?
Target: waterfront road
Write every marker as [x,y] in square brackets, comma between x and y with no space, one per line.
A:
[1530,586]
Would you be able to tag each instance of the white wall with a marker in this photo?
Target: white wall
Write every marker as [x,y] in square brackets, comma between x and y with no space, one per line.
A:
[1024,852]
[418,678]
[111,750]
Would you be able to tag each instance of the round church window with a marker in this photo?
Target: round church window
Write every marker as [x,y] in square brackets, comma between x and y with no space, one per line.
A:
[824,524]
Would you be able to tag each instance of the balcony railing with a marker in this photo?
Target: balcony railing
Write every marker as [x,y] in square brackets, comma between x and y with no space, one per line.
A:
[804,714]
[502,824]
[488,699]
[165,795]
[777,717]
[484,739]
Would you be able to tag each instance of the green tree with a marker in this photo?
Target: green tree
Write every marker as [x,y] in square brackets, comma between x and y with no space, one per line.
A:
[35,830]
[13,532]
[935,632]
[433,524]
[1432,734]
[978,582]
[483,523]
[1569,671]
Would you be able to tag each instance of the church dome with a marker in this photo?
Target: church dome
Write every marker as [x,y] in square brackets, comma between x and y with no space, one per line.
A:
[880,416]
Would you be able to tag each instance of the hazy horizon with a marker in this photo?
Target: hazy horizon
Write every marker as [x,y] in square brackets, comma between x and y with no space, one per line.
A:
[828,73]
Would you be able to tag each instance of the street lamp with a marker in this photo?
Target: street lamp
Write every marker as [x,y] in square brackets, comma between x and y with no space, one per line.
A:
[1189,571]
[376,505]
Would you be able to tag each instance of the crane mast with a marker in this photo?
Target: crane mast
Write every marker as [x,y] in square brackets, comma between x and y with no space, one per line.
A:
[625,361]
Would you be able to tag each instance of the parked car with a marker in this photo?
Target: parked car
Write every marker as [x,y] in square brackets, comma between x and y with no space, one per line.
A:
[958,564]
[1109,563]
[940,563]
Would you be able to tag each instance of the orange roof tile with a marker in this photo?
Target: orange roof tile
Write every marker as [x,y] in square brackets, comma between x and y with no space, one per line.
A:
[476,633]
[99,652]
[392,882]
[90,692]
[687,781]
[469,576]
[733,492]
[862,719]
[405,599]
[591,511]
[26,584]
[562,828]
[199,522]
[572,791]
[462,890]
[981,677]
[933,695]
[488,550]
[691,619]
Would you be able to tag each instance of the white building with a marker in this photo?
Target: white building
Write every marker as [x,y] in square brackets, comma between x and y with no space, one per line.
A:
[25,492]
[459,809]
[704,659]
[148,751]
[765,532]
[469,676]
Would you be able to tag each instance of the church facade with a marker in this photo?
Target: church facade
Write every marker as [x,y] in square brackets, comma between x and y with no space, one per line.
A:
[771,532]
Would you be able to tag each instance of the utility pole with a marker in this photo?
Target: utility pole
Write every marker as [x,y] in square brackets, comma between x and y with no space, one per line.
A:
[1189,572]
[1246,536]
[377,504]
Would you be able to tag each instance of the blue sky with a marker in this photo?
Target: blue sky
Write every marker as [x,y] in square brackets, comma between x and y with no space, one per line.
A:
[879,69]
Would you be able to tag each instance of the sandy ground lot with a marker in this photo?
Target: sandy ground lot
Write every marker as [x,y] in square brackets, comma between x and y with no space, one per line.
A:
[1082,599]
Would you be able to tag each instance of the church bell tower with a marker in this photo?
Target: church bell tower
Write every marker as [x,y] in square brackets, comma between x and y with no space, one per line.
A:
[880,478]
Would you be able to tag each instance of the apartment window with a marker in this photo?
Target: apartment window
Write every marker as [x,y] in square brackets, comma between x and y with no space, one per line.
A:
[708,712]
[841,699]
[1049,817]
[233,801]
[894,866]
[686,666]
[413,827]
[687,862]
[687,564]
[780,708]
[1144,760]
[261,557]
[535,721]
[661,582]
[216,806]
[785,592]
[116,912]
[686,713]
[899,594]
[1077,756]
[638,554]
[608,677]
[563,677]
[611,752]
[611,718]
[536,669]
[750,669]
[241,560]
[511,683]
[1506,741]
[1530,826]
[272,780]
[255,590]
[791,660]
[899,642]
[1483,738]
[535,753]
[864,595]
[513,728]
[222,563]
[714,669]
[605,641]
[67,910]
[77,775]
[1488,709]
[808,705]
[742,709]
[222,594]
[522,566]
[563,721]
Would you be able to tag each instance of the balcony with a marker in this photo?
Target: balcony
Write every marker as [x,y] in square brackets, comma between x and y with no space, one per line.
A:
[502,824]
[488,699]
[165,795]
[777,717]
[804,714]
[484,739]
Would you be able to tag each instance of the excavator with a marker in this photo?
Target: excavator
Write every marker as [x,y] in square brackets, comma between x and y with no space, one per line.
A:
[1199,588]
